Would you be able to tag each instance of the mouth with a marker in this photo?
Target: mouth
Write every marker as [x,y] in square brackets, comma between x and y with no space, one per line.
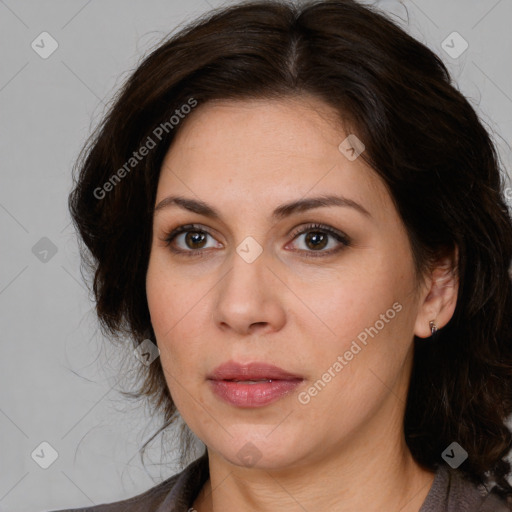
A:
[250,372]
[249,381]
[251,385]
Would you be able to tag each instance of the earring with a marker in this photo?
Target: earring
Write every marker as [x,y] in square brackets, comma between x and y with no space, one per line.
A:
[433,327]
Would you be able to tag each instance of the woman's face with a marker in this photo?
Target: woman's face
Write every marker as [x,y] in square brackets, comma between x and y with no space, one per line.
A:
[335,306]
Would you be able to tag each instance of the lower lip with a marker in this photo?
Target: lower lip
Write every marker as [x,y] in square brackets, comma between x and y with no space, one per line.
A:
[241,394]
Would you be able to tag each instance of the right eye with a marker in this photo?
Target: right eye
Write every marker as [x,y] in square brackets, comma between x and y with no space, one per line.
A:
[193,238]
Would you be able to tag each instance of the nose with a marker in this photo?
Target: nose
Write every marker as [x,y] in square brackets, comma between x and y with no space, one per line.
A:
[249,298]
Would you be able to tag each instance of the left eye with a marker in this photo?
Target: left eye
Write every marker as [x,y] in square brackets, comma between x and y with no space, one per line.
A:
[317,239]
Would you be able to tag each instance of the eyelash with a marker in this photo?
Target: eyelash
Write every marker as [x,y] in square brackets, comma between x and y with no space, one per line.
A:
[339,236]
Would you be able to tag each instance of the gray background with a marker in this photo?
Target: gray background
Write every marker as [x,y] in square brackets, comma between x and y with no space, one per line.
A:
[58,375]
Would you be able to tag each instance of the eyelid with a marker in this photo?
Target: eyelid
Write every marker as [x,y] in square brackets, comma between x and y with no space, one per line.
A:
[169,236]
[320,227]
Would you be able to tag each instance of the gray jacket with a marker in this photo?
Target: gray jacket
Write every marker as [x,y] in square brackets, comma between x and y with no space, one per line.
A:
[450,492]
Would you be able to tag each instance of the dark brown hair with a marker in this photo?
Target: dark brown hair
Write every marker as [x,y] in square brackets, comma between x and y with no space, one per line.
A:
[423,139]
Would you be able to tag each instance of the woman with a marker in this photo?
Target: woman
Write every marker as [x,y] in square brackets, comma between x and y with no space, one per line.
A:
[304,216]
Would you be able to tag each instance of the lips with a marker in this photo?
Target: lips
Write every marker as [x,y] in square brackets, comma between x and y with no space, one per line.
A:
[256,371]
[251,385]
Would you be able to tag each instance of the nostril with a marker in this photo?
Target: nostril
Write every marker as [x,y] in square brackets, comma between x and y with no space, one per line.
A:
[258,325]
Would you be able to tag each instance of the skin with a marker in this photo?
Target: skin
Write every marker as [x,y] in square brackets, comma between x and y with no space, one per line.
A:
[345,449]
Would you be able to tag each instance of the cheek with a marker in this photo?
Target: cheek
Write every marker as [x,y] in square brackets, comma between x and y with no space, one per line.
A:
[171,300]
[178,315]
[365,316]
[353,300]
[166,309]
[160,302]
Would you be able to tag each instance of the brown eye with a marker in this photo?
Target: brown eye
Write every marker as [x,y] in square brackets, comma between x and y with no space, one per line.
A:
[317,238]
[190,239]
[195,239]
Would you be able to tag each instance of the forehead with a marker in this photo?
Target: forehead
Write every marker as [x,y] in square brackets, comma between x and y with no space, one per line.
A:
[294,125]
[254,149]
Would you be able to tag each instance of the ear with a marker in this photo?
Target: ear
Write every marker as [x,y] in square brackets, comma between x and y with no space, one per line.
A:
[439,296]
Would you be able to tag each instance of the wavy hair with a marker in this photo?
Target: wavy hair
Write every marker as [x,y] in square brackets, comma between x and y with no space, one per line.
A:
[422,137]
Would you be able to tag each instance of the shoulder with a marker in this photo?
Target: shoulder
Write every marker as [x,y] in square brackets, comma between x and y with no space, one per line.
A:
[148,500]
[178,490]
[453,491]
[480,497]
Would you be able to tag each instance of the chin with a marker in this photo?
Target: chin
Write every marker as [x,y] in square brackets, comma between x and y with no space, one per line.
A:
[262,452]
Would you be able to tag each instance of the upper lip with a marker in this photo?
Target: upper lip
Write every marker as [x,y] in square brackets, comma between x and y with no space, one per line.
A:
[231,370]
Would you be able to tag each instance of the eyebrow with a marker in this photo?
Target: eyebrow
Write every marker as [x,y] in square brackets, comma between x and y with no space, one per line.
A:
[282,211]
